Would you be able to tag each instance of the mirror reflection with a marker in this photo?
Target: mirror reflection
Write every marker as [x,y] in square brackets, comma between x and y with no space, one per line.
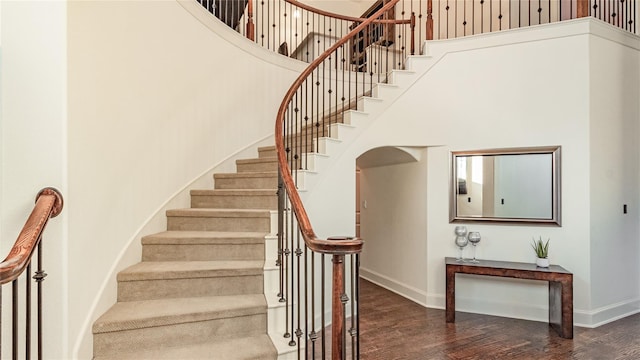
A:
[506,185]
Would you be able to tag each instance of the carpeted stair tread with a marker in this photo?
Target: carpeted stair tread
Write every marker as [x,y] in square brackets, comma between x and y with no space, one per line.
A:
[209,192]
[162,270]
[204,238]
[150,313]
[229,213]
[257,347]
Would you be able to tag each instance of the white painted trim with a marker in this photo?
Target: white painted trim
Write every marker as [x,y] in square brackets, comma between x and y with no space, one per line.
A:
[407,291]
[581,318]
[606,314]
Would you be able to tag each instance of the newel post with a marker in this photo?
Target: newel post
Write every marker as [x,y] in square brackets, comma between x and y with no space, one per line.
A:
[337,309]
[582,8]
[250,25]
[429,19]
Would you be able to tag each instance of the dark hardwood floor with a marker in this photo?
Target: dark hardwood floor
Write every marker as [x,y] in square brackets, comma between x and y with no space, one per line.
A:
[392,327]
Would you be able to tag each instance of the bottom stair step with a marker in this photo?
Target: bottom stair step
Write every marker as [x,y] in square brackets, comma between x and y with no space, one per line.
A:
[248,348]
[150,324]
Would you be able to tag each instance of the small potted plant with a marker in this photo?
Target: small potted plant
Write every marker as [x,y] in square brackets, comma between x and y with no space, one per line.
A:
[542,252]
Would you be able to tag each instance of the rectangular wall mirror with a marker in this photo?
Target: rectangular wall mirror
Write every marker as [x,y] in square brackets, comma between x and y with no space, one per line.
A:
[518,185]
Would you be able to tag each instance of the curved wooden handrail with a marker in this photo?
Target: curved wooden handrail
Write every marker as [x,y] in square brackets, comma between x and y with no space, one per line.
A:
[49,203]
[334,246]
[344,17]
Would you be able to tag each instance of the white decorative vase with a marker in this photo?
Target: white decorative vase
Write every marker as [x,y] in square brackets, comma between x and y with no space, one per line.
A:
[542,262]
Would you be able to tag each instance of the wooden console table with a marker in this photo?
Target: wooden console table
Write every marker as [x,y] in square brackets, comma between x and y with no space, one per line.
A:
[560,287]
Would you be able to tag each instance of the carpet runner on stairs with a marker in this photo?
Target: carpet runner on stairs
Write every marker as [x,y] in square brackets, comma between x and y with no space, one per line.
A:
[198,292]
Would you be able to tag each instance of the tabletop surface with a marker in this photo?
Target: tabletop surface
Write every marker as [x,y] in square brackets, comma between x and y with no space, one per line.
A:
[495,264]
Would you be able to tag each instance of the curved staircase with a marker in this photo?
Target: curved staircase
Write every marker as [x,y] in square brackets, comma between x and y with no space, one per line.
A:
[198,292]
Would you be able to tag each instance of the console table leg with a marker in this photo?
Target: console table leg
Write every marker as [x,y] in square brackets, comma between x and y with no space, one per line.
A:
[451,295]
[561,308]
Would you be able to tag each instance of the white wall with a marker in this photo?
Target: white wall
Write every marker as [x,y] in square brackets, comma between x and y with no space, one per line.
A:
[615,243]
[156,99]
[33,144]
[526,87]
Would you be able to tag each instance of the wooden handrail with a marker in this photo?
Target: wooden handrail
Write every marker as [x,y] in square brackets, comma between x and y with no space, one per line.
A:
[347,18]
[49,203]
[335,247]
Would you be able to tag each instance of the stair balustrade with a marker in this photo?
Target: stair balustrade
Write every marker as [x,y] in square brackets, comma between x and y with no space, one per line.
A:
[48,204]
[300,31]
[307,32]
[316,103]
[448,19]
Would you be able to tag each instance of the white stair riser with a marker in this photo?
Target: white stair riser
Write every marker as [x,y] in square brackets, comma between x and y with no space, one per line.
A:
[371,105]
[386,92]
[402,78]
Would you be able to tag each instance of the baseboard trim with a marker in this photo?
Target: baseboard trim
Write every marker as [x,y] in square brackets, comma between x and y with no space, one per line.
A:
[606,314]
[581,318]
[416,295]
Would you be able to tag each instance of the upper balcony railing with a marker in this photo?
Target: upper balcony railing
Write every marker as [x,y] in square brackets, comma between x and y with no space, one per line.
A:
[294,29]
[452,19]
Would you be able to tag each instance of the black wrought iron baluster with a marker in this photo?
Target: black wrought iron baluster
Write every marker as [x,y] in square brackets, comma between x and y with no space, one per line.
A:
[287,250]
[344,299]
[262,23]
[464,18]
[307,43]
[307,148]
[14,319]
[352,330]
[291,229]
[324,77]
[482,16]
[316,113]
[313,335]
[322,305]
[357,301]
[344,82]
[306,298]
[299,312]
[281,216]
[27,313]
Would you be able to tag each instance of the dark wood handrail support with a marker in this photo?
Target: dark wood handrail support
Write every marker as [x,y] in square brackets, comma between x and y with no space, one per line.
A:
[336,246]
[48,204]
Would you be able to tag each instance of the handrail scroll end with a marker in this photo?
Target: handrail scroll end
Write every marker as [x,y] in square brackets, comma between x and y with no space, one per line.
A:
[59,200]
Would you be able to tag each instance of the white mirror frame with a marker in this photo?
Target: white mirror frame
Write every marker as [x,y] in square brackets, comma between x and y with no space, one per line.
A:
[453,186]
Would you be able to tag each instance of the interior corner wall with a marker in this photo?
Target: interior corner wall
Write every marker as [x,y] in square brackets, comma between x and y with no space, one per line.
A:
[615,177]
[159,93]
[33,146]
[393,201]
